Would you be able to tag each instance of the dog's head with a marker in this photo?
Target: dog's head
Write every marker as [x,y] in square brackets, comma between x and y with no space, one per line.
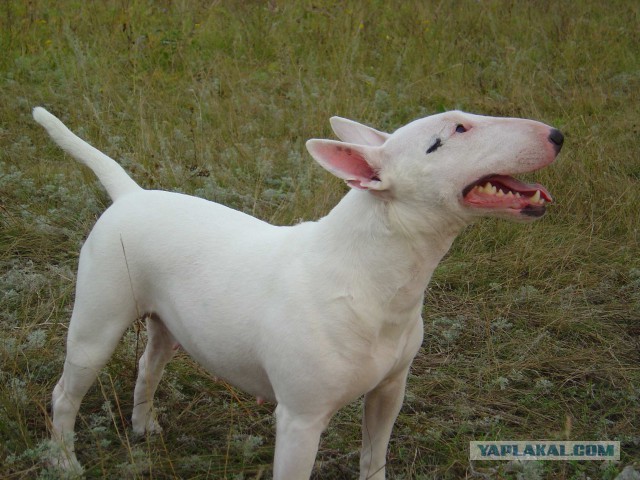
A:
[456,163]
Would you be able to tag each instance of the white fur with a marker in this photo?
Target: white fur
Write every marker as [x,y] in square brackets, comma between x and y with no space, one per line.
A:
[311,316]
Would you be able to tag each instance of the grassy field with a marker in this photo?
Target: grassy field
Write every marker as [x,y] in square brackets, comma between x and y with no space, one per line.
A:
[531,332]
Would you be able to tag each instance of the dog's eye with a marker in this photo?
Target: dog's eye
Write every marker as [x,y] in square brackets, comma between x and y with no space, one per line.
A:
[437,144]
[460,128]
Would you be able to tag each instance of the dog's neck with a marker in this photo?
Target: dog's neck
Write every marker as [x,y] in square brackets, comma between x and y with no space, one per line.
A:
[377,259]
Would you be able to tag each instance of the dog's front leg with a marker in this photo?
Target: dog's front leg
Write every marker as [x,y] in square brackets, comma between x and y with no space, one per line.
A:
[297,439]
[381,407]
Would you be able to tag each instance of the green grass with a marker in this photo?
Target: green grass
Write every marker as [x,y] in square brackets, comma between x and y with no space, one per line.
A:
[531,332]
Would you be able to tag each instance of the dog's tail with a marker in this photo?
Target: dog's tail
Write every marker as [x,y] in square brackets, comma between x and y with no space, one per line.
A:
[111,175]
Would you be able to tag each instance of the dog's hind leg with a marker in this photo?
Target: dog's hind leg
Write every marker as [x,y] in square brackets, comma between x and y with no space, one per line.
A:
[88,350]
[161,347]
[103,310]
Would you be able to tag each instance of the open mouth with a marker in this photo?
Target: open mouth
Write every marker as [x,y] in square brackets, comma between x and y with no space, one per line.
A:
[502,192]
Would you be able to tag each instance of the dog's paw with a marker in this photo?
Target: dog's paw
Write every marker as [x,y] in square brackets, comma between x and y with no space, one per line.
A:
[58,454]
[150,427]
[153,427]
[66,464]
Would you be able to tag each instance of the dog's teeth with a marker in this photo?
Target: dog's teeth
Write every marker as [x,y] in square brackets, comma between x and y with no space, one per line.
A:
[536,197]
[489,189]
[518,195]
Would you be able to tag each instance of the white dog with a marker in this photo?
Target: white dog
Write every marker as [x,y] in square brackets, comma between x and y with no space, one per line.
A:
[311,316]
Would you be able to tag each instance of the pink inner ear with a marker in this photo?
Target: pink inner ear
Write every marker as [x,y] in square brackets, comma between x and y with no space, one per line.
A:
[349,164]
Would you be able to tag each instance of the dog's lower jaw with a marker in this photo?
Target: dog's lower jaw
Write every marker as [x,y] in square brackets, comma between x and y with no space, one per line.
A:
[533,211]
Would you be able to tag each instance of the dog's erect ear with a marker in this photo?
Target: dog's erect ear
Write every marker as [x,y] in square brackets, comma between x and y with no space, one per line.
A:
[354,132]
[359,165]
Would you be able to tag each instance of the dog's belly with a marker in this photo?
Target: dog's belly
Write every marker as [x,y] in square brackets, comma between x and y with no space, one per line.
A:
[219,322]
[282,351]
[231,364]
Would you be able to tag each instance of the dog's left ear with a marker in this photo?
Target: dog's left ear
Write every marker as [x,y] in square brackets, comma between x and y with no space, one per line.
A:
[358,165]
[354,132]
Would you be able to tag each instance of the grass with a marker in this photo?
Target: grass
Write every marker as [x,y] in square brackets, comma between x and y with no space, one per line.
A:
[531,332]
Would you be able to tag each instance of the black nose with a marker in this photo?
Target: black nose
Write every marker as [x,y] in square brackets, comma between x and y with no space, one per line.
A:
[557,138]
